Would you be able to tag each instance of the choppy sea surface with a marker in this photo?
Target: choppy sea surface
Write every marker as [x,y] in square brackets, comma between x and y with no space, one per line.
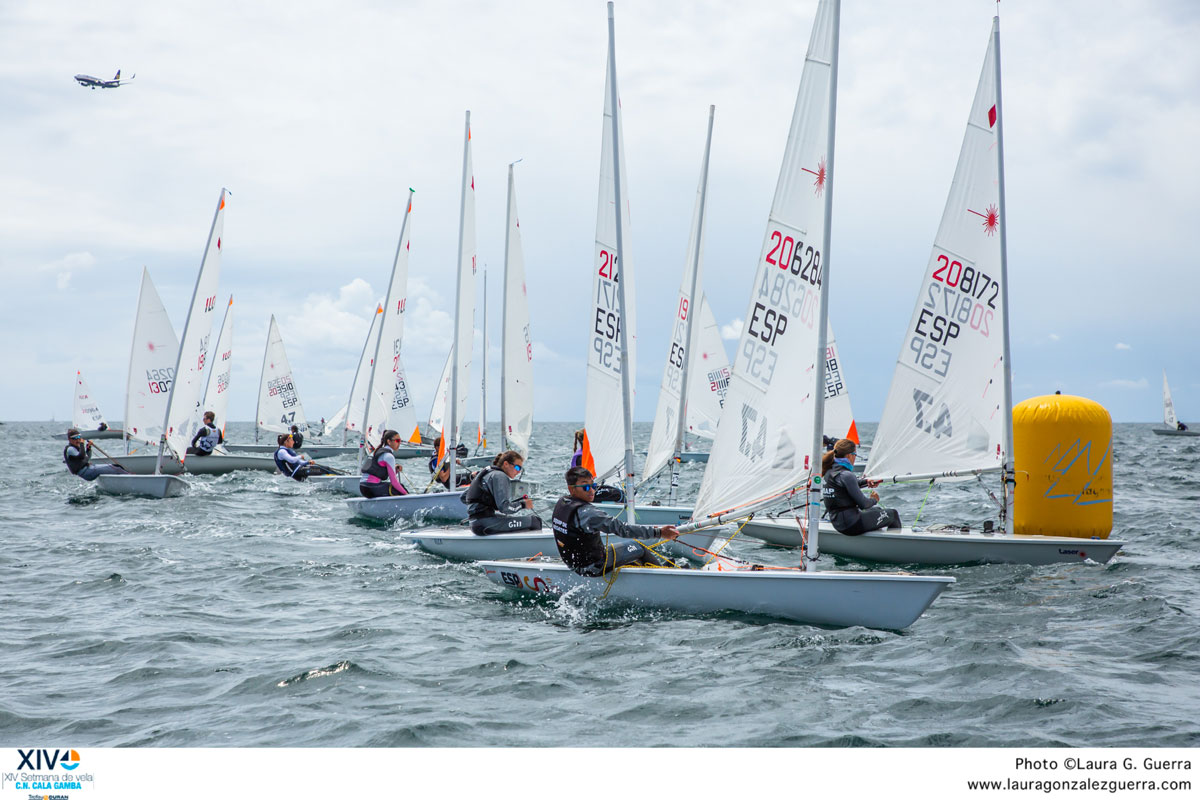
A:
[255,611]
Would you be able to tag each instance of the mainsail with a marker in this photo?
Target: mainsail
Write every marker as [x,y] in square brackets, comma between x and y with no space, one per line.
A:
[184,403]
[388,404]
[516,365]
[764,443]
[437,411]
[666,437]
[609,398]
[1169,417]
[216,393]
[708,378]
[355,410]
[279,405]
[839,418]
[947,409]
[86,414]
[152,358]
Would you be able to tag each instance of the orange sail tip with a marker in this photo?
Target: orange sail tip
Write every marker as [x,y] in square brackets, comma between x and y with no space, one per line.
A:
[379,309]
[221,207]
[587,461]
[852,434]
[415,436]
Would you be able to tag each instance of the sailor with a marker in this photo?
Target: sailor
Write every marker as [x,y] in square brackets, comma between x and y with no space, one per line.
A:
[379,478]
[578,526]
[297,437]
[207,438]
[1179,426]
[77,455]
[577,455]
[462,477]
[850,511]
[489,498]
[296,466]
[103,426]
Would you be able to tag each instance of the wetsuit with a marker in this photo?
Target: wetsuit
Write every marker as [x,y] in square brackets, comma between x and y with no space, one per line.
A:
[297,440]
[295,467]
[578,526]
[78,461]
[379,475]
[205,440]
[577,457]
[850,511]
[490,507]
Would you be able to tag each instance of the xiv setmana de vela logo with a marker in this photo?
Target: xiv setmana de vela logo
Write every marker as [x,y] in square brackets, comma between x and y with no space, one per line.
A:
[39,770]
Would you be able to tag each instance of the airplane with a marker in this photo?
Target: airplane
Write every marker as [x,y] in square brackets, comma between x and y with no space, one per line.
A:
[89,81]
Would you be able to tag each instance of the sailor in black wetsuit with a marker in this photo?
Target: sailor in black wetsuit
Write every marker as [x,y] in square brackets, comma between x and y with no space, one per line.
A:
[77,457]
[489,503]
[850,511]
[297,438]
[295,466]
[207,438]
[578,526]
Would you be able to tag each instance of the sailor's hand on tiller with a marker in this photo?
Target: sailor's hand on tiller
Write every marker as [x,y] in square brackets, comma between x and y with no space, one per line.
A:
[668,532]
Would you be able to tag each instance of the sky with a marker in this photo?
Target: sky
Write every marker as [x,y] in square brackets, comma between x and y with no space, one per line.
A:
[318,117]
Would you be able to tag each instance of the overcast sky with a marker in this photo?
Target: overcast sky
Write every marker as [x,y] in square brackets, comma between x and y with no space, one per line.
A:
[319,116]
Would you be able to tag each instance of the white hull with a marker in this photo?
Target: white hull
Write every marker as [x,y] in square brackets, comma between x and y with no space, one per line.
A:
[907,547]
[838,599]
[110,433]
[435,505]
[346,484]
[649,515]
[699,458]
[462,545]
[477,461]
[216,464]
[157,486]
[312,451]
[1170,432]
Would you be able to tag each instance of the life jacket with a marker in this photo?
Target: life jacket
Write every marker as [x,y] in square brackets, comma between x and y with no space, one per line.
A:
[298,439]
[207,438]
[285,467]
[376,469]
[833,493]
[477,494]
[576,547]
[75,463]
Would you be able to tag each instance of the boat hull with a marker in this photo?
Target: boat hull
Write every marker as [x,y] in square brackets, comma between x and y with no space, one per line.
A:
[477,461]
[693,456]
[216,464]
[111,433]
[313,451]
[685,545]
[346,484]
[432,506]
[1169,432]
[460,544]
[156,486]
[889,601]
[908,547]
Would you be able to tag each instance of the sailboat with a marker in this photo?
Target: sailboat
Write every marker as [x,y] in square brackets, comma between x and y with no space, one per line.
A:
[481,457]
[772,402]
[156,476]
[448,504]
[955,366]
[220,371]
[86,417]
[152,357]
[1169,418]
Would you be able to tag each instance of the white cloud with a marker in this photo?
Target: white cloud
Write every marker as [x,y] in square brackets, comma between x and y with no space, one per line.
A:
[1054,337]
[1125,383]
[1123,346]
[733,331]
[66,266]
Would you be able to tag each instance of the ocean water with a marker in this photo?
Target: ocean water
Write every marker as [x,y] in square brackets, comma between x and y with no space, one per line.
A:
[256,611]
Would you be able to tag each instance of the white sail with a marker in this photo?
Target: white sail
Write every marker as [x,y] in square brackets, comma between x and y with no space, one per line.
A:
[708,379]
[672,397]
[186,390]
[516,366]
[388,381]
[216,394]
[764,439]
[1169,417]
[481,427]
[464,314]
[355,410]
[604,435]
[85,415]
[152,358]
[279,405]
[335,421]
[438,410]
[839,417]
[946,407]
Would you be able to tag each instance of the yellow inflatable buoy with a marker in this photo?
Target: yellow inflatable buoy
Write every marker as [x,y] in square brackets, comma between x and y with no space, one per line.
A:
[1062,449]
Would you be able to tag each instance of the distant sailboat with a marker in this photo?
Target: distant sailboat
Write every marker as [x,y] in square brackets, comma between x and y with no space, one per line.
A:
[1174,427]
[86,417]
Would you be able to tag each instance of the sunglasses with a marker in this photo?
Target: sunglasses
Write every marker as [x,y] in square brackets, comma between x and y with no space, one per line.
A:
[517,467]
[587,487]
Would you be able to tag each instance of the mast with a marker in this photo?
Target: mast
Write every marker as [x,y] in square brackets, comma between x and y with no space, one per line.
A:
[626,381]
[1009,477]
[483,396]
[818,444]
[262,375]
[379,337]
[504,319]
[688,339]
[451,444]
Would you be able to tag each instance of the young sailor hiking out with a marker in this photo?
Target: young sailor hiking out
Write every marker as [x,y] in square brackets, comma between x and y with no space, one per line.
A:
[578,526]
[207,437]
[296,466]
[490,505]
[77,457]
[379,478]
[850,511]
